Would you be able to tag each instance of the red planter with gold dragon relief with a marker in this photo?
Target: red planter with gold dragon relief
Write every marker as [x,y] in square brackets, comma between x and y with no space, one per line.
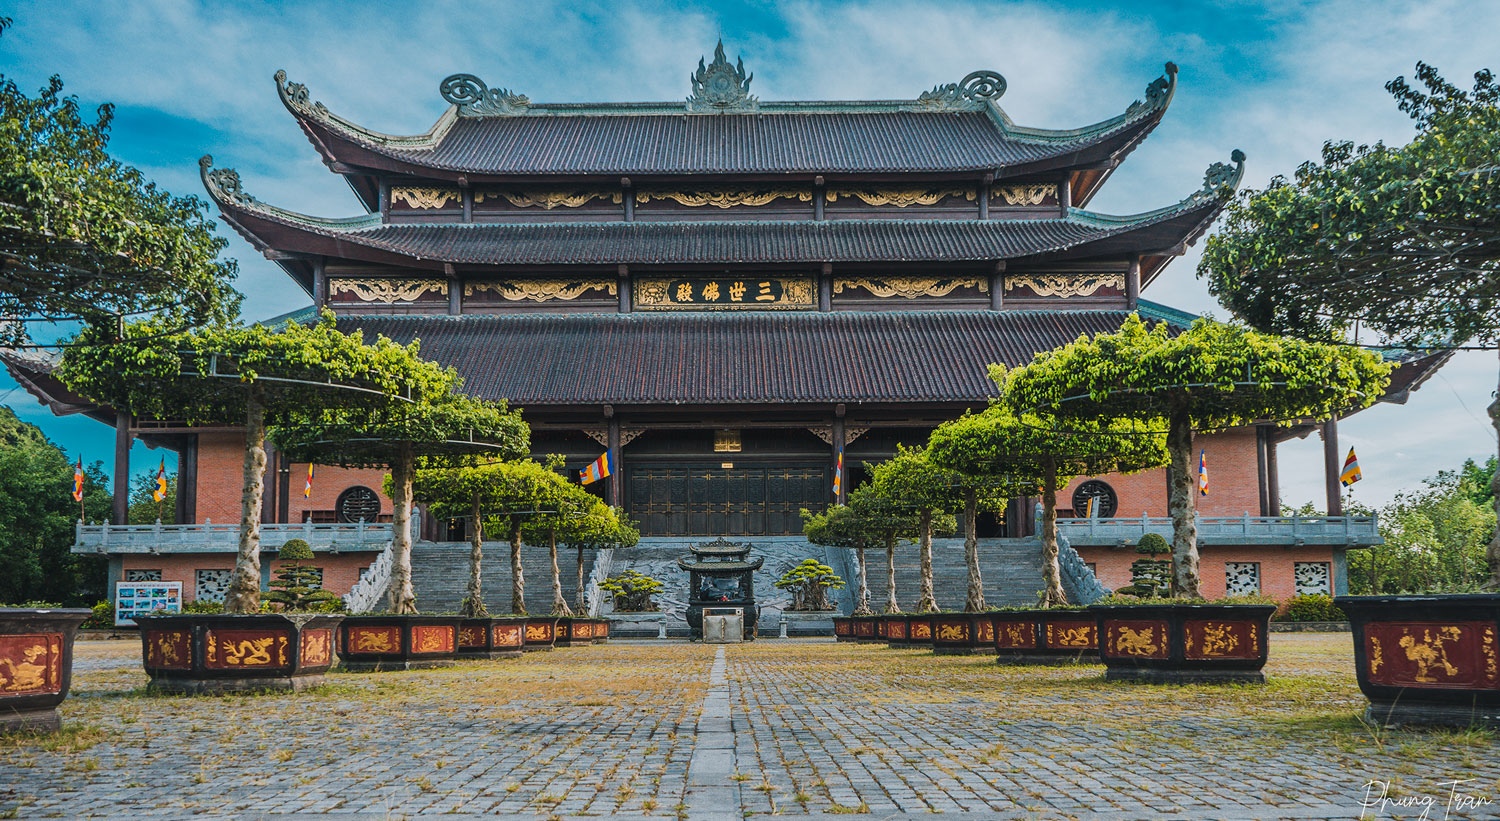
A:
[843,628]
[865,627]
[919,630]
[1039,636]
[897,631]
[1428,659]
[1184,643]
[491,638]
[224,653]
[391,642]
[541,633]
[36,666]
[963,634]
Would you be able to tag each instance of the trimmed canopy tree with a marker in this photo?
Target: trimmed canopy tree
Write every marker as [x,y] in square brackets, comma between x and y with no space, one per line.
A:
[1404,240]
[1034,454]
[246,375]
[600,527]
[910,479]
[524,489]
[888,520]
[1210,377]
[439,427]
[570,503]
[841,526]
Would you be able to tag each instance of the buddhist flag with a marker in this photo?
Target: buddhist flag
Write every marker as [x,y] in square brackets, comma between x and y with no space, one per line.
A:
[161,482]
[601,468]
[307,488]
[1202,473]
[1351,473]
[838,475]
[78,481]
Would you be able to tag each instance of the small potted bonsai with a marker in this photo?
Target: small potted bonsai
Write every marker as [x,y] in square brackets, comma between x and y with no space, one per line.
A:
[287,646]
[809,583]
[635,610]
[36,665]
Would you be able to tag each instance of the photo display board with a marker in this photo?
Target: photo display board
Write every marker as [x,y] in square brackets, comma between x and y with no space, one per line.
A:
[143,598]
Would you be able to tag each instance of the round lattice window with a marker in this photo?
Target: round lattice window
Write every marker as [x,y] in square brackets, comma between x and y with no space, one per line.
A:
[358,503]
[1098,494]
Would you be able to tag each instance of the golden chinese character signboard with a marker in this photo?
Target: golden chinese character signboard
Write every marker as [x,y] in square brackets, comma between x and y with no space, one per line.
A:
[726,294]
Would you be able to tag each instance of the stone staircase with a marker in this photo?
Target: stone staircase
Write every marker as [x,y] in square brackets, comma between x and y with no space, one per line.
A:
[1011,569]
[440,576]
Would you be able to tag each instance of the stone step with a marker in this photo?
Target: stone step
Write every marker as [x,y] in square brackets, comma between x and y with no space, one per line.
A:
[440,576]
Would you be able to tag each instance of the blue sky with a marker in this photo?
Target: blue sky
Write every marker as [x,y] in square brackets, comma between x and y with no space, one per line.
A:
[1275,79]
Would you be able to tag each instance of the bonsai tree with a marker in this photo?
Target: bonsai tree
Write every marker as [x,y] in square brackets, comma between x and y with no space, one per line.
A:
[568,503]
[524,489]
[889,520]
[632,591]
[911,480]
[456,492]
[1029,454]
[1210,377]
[809,583]
[842,526]
[439,427]
[246,376]
[297,586]
[601,527]
[1403,241]
[1150,578]
[85,237]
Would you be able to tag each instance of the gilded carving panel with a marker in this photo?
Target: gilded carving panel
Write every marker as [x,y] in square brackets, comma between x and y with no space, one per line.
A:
[724,199]
[371,639]
[31,663]
[1216,639]
[1140,638]
[1064,285]
[912,287]
[229,649]
[432,638]
[1432,654]
[168,649]
[425,199]
[317,646]
[900,198]
[548,200]
[389,291]
[543,290]
[506,635]
[1025,194]
[1015,634]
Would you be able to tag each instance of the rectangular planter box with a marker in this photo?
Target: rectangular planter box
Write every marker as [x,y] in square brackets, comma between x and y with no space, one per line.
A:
[843,628]
[413,642]
[864,628]
[1046,637]
[573,632]
[36,666]
[491,638]
[601,631]
[221,653]
[963,634]
[919,630]
[1428,659]
[541,633]
[896,629]
[1184,643]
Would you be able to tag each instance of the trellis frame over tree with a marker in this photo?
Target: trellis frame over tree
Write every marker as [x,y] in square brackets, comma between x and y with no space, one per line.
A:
[245,375]
[1401,242]
[1210,377]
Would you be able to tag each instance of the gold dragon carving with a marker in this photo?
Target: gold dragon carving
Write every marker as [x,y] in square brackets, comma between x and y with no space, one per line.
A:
[29,673]
[1064,285]
[912,287]
[425,198]
[723,199]
[387,290]
[901,198]
[542,290]
[548,200]
[1026,194]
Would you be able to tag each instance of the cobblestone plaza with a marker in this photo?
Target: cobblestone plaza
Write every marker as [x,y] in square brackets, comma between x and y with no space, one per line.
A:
[677,730]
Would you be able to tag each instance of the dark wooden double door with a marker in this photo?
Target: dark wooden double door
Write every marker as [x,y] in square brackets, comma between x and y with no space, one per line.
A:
[710,500]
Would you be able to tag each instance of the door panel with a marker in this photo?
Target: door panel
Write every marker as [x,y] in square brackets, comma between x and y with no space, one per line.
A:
[747,500]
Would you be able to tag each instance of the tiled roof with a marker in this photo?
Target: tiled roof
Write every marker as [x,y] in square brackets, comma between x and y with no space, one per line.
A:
[741,358]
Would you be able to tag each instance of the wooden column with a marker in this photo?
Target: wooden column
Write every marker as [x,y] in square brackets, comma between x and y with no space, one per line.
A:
[320,284]
[1273,479]
[997,286]
[1133,284]
[187,480]
[614,448]
[284,489]
[825,288]
[121,479]
[838,447]
[1260,469]
[385,200]
[1331,467]
[468,197]
[628,198]
[624,288]
[984,196]
[272,489]
[455,290]
[818,198]
[1065,195]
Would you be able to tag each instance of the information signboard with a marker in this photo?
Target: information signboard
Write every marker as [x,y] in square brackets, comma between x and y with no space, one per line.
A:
[144,598]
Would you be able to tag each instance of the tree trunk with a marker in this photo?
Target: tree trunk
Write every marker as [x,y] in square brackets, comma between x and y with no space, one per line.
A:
[891,605]
[403,598]
[862,597]
[974,601]
[559,604]
[243,595]
[928,602]
[1492,554]
[474,605]
[582,601]
[1053,595]
[1183,506]
[517,580]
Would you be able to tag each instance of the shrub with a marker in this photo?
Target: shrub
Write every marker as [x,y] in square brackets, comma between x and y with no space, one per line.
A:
[202,606]
[102,618]
[809,583]
[1152,544]
[632,591]
[1312,607]
[297,586]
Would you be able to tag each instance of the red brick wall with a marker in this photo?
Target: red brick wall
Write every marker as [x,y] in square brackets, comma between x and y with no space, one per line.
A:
[221,458]
[1233,481]
[340,571]
[1112,566]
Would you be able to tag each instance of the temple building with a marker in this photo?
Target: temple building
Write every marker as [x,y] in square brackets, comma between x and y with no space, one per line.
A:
[727,293]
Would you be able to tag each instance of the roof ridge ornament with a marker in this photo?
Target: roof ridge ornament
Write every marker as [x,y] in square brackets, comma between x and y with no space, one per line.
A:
[1158,92]
[720,86]
[1221,179]
[475,99]
[295,96]
[223,184]
[971,93]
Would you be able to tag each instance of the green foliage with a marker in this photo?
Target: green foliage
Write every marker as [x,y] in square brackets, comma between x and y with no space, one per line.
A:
[809,583]
[632,591]
[1127,599]
[1312,607]
[295,550]
[202,606]
[840,526]
[85,236]
[102,618]
[1149,579]
[1015,452]
[1152,544]
[912,480]
[1401,238]
[1435,538]
[143,507]
[598,527]
[296,586]
[37,518]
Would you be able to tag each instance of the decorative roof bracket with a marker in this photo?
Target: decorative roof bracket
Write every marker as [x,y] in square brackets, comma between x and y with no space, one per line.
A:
[1221,179]
[223,184]
[720,87]
[475,99]
[971,93]
[1158,93]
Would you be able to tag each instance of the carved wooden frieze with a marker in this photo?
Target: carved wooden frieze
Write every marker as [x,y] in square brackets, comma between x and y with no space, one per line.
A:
[1064,285]
[901,198]
[724,199]
[542,290]
[389,291]
[548,200]
[911,287]
[426,199]
[726,294]
[1023,195]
